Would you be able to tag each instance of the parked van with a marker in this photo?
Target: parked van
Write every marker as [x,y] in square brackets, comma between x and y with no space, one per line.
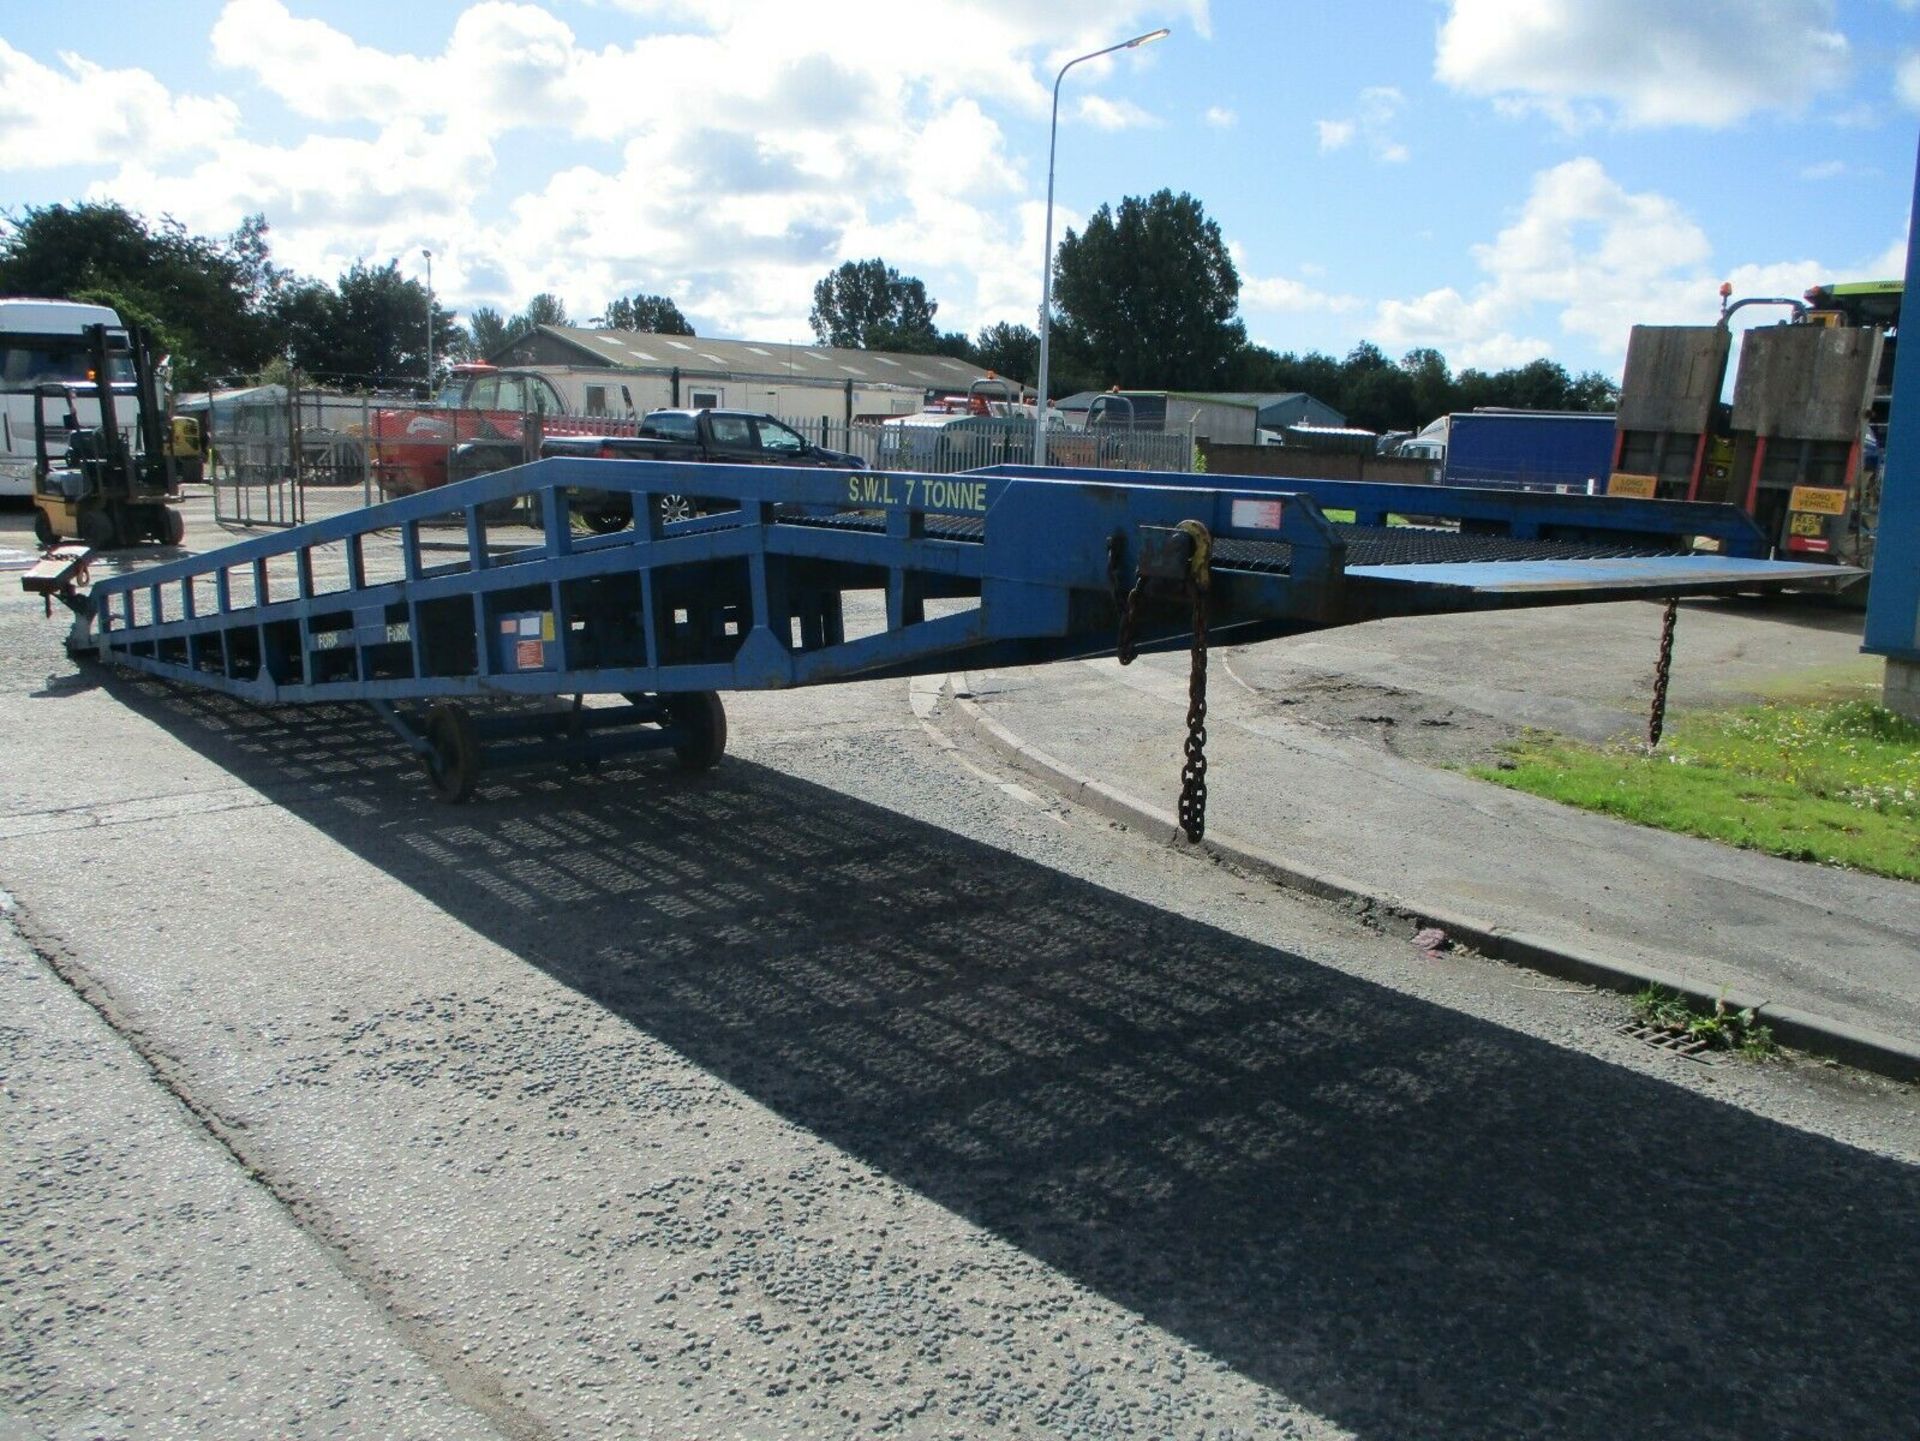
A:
[44,342]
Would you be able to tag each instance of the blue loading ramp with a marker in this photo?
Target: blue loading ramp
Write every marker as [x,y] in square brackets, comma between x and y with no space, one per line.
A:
[417,605]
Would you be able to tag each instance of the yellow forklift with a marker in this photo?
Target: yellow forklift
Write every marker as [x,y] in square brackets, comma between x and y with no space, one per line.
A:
[105,489]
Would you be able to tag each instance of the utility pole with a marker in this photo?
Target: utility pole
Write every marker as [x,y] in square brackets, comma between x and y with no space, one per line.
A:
[429,255]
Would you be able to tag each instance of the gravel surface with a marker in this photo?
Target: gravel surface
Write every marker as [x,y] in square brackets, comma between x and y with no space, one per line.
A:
[1453,689]
[854,1090]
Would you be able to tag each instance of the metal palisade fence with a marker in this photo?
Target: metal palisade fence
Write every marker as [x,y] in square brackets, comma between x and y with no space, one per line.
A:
[944,445]
[268,445]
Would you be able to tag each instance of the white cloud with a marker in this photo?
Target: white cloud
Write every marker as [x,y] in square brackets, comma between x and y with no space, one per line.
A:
[1906,79]
[1824,170]
[1335,134]
[1469,332]
[1380,103]
[728,157]
[1889,264]
[1376,108]
[93,116]
[1220,118]
[1648,62]
[1106,113]
[1282,296]
[1587,258]
[1269,303]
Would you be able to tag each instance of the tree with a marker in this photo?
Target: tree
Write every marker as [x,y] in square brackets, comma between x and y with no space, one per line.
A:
[1537,385]
[1010,350]
[368,330]
[1377,398]
[1591,390]
[655,314]
[1149,296]
[491,330]
[868,305]
[544,309]
[308,318]
[208,301]
[1432,383]
[260,279]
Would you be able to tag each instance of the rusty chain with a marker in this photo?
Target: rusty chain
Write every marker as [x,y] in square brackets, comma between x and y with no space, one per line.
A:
[1195,584]
[1193,773]
[1124,600]
[1663,668]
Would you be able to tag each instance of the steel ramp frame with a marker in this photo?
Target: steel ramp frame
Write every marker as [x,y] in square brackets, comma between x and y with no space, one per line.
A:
[746,598]
[1003,567]
[1483,510]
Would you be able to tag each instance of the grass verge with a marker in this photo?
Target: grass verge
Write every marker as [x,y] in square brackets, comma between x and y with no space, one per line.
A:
[1835,783]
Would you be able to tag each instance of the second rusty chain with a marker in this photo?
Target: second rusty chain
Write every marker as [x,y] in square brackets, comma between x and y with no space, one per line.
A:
[1663,668]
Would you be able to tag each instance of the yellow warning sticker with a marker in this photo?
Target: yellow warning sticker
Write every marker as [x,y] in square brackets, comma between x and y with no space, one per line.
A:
[1818,499]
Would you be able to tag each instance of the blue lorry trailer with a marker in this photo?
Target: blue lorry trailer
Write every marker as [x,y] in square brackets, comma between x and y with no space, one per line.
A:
[422,606]
[1529,450]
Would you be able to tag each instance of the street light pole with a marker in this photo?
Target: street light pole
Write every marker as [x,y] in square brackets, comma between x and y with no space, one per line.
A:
[1046,264]
[429,255]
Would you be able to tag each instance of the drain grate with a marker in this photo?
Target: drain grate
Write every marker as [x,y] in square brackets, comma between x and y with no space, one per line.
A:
[1676,1043]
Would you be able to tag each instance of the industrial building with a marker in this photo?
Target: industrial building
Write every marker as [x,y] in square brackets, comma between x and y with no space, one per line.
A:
[611,372]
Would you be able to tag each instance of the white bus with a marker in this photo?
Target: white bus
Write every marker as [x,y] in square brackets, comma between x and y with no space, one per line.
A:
[44,342]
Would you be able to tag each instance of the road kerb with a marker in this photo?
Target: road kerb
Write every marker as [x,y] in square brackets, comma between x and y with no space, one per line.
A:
[1802,1030]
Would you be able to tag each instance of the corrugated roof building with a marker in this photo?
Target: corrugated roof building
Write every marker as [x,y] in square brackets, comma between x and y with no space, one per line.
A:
[787,379]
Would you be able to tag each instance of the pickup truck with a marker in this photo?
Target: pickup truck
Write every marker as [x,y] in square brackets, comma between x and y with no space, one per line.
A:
[722,437]
[482,417]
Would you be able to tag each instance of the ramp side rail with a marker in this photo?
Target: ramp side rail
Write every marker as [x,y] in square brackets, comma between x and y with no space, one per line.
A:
[975,569]
[1490,510]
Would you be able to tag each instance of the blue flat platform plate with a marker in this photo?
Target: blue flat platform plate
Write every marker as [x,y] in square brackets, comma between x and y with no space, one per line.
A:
[1685,574]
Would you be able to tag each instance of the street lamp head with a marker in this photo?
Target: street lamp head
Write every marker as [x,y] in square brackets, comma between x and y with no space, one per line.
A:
[426,252]
[1148,38]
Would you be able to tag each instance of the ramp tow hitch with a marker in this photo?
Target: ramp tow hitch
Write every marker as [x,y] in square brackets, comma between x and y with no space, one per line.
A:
[61,574]
[1177,561]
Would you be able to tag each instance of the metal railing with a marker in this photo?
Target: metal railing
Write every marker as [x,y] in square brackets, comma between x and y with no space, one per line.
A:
[970,443]
[267,450]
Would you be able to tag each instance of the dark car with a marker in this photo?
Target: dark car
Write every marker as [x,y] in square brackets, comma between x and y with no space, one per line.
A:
[719,437]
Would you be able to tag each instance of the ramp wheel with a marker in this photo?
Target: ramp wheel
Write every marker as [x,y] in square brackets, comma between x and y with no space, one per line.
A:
[453,764]
[169,528]
[700,714]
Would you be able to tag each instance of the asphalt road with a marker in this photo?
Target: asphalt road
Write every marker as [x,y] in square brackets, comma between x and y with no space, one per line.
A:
[852,1090]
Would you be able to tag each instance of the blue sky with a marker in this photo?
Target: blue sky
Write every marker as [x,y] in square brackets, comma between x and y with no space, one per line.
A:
[1497,178]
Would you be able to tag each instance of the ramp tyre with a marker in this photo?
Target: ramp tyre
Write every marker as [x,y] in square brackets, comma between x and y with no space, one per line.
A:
[453,764]
[704,719]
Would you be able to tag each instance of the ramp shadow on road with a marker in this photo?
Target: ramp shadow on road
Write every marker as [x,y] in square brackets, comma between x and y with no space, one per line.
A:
[1412,1222]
